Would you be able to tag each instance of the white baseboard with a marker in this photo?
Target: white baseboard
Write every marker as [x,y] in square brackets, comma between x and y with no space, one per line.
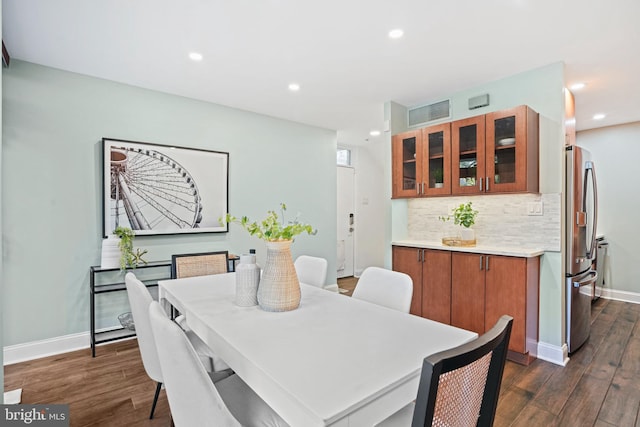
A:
[553,353]
[626,296]
[49,347]
[43,348]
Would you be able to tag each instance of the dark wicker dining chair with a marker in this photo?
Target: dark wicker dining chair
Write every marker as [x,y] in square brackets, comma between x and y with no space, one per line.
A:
[460,386]
[199,264]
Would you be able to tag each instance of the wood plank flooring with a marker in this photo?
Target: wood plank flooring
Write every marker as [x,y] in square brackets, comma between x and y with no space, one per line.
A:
[599,387]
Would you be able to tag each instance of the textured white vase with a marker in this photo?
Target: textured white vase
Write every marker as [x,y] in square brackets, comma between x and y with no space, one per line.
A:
[247,280]
[110,252]
[467,234]
[279,289]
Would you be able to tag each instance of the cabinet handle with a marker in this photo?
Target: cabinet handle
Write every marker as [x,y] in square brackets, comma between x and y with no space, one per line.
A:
[486,265]
[481,184]
[487,184]
[417,188]
[419,251]
[481,262]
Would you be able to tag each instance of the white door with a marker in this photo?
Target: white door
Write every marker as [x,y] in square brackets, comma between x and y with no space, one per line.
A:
[346,221]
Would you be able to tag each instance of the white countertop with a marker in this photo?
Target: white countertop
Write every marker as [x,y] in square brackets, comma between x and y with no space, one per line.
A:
[478,249]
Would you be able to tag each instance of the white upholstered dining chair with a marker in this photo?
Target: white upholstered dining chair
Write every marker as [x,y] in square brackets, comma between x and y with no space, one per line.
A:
[313,271]
[139,301]
[388,288]
[194,399]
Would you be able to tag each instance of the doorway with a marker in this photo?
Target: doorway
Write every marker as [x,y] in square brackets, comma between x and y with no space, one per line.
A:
[346,221]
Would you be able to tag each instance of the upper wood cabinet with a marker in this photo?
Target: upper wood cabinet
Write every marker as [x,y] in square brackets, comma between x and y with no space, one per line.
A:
[422,162]
[512,151]
[468,155]
[492,153]
[407,164]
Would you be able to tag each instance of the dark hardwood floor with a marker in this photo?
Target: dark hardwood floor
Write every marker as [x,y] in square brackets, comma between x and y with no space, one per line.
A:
[599,387]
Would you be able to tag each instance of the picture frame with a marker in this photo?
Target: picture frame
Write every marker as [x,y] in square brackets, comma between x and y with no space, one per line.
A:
[159,189]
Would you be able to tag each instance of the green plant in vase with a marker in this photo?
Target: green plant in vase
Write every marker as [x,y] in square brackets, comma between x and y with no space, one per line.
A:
[465,216]
[279,288]
[438,176]
[128,258]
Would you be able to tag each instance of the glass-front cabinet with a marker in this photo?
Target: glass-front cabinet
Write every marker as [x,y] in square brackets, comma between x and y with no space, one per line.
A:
[512,150]
[437,164]
[468,154]
[407,164]
[492,153]
[422,162]
[496,152]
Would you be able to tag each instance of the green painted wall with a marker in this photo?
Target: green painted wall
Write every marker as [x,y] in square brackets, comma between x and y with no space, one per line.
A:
[541,89]
[51,185]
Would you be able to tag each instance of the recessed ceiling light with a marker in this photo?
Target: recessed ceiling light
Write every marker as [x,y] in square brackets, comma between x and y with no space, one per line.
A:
[396,34]
[577,86]
[294,87]
[195,56]
[599,116]
[374,133]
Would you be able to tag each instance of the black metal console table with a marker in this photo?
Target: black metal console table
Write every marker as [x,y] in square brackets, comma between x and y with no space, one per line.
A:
[115,283]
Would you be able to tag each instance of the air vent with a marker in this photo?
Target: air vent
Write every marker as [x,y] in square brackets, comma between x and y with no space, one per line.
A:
[429,113]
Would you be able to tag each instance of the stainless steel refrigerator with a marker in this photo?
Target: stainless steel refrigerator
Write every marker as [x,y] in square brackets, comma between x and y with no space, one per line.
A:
[582,217]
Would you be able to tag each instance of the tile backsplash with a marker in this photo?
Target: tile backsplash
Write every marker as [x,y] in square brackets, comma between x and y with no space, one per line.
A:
[503,220]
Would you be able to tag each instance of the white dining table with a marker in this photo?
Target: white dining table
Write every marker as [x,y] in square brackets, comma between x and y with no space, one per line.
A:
[334,361]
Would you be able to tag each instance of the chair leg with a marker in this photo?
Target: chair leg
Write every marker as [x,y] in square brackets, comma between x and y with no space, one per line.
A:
[155,400]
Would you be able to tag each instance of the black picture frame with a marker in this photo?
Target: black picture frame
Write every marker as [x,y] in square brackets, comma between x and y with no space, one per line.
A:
[159,189]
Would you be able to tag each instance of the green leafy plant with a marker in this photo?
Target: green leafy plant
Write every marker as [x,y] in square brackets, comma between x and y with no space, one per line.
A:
[272,228]
[128,258]
[463,215]
[438,175]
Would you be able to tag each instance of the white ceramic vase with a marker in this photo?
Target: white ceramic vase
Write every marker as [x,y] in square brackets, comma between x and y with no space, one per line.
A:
[279,289]
[110,257]
[467,234]
[247,280]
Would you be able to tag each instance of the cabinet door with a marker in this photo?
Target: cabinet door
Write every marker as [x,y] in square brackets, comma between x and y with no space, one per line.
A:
[512,150]
[407,164]
[436,285]
[437,160]
[506,294]
[409,261]
[467,291]
[468,155]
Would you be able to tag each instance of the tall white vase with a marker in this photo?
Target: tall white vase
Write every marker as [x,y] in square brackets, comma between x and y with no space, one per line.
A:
[247,280]
[110,257]
[279,289]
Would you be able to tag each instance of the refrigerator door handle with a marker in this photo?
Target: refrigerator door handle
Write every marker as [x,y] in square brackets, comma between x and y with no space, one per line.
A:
[590,281]
[590,171]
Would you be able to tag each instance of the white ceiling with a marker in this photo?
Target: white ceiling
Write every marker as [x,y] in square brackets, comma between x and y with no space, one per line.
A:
[337,50]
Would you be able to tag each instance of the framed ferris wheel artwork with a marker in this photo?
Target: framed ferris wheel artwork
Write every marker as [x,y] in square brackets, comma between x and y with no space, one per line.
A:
[159,189]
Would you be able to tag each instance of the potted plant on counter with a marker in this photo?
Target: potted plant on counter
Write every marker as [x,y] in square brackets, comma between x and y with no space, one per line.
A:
[438,176]
[465,216]
[279,288]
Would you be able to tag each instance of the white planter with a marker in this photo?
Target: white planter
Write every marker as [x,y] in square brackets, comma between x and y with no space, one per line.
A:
[110,252]
[467,234]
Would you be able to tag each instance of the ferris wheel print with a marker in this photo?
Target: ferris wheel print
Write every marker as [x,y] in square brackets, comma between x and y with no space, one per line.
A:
[150,190]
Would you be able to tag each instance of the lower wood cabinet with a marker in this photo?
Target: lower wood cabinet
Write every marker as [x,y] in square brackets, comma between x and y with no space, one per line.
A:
[467,292]
[430,271]
[472,291]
